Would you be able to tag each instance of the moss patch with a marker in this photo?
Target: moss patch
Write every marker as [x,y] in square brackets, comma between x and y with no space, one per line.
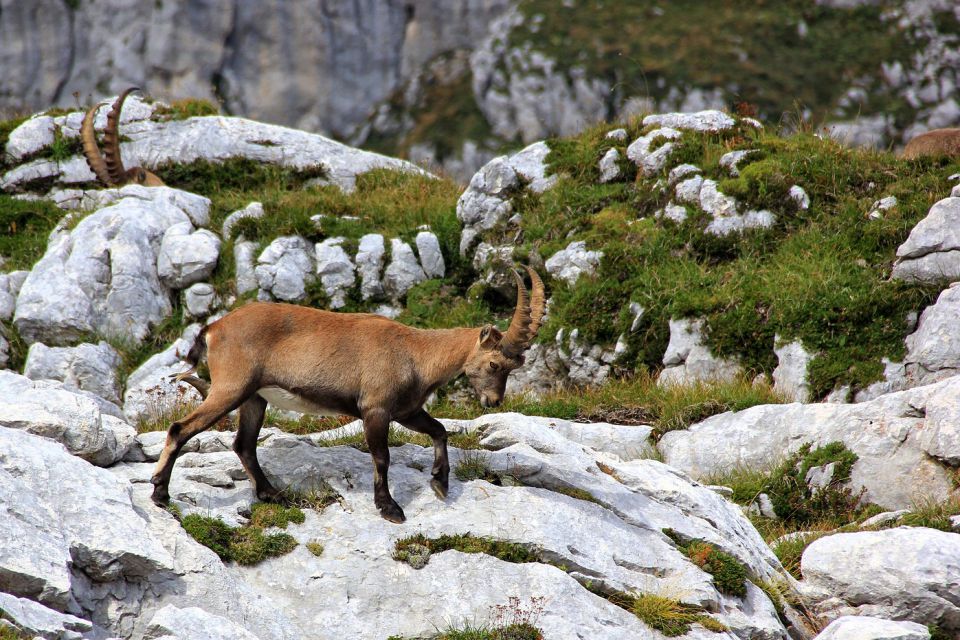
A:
[670,617]
[268,514]
[245,545]
[520,631]
[729,574]
[25,226]
[414,546]
[186,108]
[474,465]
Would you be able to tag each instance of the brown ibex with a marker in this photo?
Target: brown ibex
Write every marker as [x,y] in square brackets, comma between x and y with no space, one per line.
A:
[357,364]
[938,142]
[110,172]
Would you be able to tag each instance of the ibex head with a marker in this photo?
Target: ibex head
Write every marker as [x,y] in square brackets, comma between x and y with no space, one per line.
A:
[497,354]
[110,171]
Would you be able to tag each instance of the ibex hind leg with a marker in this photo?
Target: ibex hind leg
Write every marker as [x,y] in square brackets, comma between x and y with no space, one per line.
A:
[423,422]
[211,410]
[245,445]
[376,424]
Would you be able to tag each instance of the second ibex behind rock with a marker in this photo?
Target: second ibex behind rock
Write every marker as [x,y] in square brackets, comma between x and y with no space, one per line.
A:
[109,167]
[938,142]
[357,364]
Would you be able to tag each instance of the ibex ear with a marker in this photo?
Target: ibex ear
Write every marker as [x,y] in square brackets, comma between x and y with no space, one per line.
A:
[490,337]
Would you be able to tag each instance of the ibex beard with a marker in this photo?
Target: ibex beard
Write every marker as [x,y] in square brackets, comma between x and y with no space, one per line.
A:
[356,364]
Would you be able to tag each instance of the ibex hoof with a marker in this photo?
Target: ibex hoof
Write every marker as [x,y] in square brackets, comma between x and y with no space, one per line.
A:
[393,513]
[439,488]
[160,497]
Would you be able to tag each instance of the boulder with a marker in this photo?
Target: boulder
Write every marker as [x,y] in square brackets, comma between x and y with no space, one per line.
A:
[568,361]
[101,276]
[285,268]
[431,258]
[899,574]
[894,436]
[708,121]
[89,426]
[30,137]
[790,375]
[89,367]
[38,620]
[403,272]
[200,300]
[649,160]
[10,284]
[688,359]
[933,350]
[369,264]
[608,165]
[187,256]
[335,270]
[244,256]
[570,263]
[151,396]
[871,628]
[189,623]
[931,253]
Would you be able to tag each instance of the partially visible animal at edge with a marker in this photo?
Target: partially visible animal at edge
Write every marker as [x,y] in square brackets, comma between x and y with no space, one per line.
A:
[109,167]
[938,142]
[358,364]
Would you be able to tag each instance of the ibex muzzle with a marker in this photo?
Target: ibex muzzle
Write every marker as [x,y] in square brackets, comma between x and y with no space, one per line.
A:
[356,364]
[110,171]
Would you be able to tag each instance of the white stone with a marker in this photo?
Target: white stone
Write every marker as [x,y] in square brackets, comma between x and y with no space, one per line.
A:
[187,256]
[676,212]
[200,300]
[799,197]
[30,137]
[899,574]
[254,210]
[710,120]
[431,258]
[570,263]
[608,167]
[688,360]
[103,273]
[38,620]
[931,252]
[681,171]
[369,264]
[790,375]
[884,518]
[335,270]
[89,426]
[191,623]
[933,350]
[286,267]
[688,190]
[871,628]
[620,135]
[403,272]
[244,256]
[725,225]
[650,162]
[89,367]
[731,160]
[151,396]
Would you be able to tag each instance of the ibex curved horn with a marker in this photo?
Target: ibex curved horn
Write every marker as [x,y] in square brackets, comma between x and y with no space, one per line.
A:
[526,318]
[90,149]
[111,139]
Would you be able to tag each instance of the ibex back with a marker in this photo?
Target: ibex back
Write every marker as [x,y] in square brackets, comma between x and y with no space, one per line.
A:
[355,364]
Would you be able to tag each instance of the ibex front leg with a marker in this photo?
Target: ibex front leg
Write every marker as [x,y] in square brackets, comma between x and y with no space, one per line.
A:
[423,422]
[376,424]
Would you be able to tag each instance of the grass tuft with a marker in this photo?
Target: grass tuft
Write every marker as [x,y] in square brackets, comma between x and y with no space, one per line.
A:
[729,574]
[474,465]
[420,547]
[245,545]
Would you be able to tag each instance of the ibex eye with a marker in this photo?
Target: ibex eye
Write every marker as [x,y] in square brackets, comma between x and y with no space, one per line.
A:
[494,366]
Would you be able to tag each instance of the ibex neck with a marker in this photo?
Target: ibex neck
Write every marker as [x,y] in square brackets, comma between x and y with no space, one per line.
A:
[445,352]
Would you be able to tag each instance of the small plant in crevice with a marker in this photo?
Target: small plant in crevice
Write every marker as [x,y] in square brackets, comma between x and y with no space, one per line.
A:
[315,547]
[794,500]
[474,465]
[246,545]
[729,574]
[317,497]
[668,616]
[579,494]
[416,549]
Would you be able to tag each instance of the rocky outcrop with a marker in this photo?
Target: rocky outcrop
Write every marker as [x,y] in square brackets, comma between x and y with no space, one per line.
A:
[88,367]
[871,628]
[688,359]
[899,435]
[931,253]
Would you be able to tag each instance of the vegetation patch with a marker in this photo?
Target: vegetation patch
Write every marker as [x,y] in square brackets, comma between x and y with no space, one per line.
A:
[315,547]
[416,549]
[26,225]
[517,631]
[670,617]
[269,514]
[245,545]
[474,465]
[579,494]
[185,108]
[729,574]
[317,498]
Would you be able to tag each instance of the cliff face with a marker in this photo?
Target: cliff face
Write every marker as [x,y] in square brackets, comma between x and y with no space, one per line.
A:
[313,65]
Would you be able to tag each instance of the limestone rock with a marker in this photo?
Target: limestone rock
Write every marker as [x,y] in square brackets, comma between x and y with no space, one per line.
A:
[31,137]
[193,622]
[609,170]
[431,258]
[403,272]
[898,574]
[893,436]
[799,197]
[710,121]
[253,211]
[651,161]
[286,267]
[369,264]
[568,361]
[931,252]
[151,396]
[101,277]
[38,620]
[688,360]
[88,426]
[933,350]
[200,299]
[90,367]
[871,628]
[335,270]
[244,256]
[570,263]
[732,159]
[790,376]
[187,256]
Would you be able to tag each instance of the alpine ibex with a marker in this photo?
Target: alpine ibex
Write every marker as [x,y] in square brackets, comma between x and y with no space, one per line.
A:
[110,172]
[938,142]
[357,364]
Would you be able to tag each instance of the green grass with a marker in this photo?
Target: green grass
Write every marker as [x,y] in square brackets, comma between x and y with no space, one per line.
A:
[186,108]
[466,543]
[668,616]
[25,227]
[519,631]
[246,545]
[474,465]
[268,514]
[315,547]
[729,574]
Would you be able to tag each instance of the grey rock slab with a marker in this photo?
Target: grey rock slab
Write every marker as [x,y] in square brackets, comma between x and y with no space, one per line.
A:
[710,120]
[609,169]
[369,265]
[884,518]
[254,211]
[200,299]
[38,620]
[929,253]
[193,623]
[933,350]
[30,137]
[101,277]
[872,628]
[431,258]
[85,425]
[286,267]
[89,367]
[575,260]
[88,523]
[651,161]
[187,256]
[886,434]
[244,257]
[688,359]
[403,272]
[907,573]
[151,395]
[335,270]
[790,374]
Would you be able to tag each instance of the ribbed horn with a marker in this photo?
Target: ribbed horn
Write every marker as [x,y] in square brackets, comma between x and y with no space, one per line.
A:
[90,149]
[111,139]
[538,303]
[517,337]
